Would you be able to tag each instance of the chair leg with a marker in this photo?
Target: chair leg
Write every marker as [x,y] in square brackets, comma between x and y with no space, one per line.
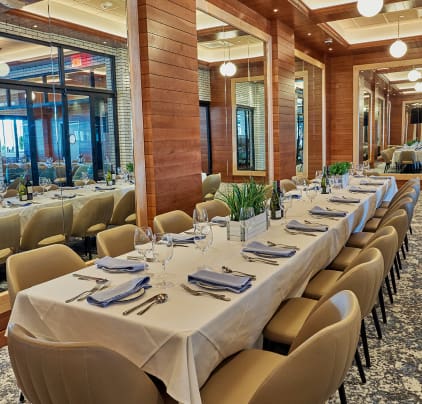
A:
[406,242]
[89,248]
[360,367]
[22,398]
[390,294]
[393,280]
[376,322]
[342,394]
[403,252]
[399,264]
[382,305]
[410,229]
[365,343]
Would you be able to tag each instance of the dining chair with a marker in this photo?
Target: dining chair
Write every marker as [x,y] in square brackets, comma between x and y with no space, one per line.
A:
[387,156]
[59,174]
[93,217]
[9,236]
[413,182]
[175,221]
[10,193]
[50,372]
[314,369]
[408,161]
[405,189]
[210,186]
[30,268]
[116,241]
[50,225]
[287,185]
[124,211]
[214,208]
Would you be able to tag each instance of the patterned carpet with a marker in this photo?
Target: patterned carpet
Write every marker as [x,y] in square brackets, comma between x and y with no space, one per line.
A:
[396,372]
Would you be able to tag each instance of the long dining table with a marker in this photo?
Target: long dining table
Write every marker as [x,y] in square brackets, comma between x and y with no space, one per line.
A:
[183,340]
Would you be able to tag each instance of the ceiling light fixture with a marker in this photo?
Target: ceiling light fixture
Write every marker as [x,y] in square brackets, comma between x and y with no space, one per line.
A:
[4,69]
[228,69]
[369,8]
[398,48]
[414,75]
[418,87]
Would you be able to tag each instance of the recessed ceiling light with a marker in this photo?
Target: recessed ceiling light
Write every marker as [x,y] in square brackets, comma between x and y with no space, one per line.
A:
[414,75]
[309,33]
[105,42]
[276,10]
[35,26]
[330,49]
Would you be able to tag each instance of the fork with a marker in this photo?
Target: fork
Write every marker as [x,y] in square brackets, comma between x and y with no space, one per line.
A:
[296,233]
[196,292]
[86,293]
[259,259]
[272,244]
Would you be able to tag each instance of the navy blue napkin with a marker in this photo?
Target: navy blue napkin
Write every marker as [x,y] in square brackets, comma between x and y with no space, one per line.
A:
[229,282]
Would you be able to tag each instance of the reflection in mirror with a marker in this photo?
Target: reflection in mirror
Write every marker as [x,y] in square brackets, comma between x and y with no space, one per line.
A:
[300,122]
[379,126]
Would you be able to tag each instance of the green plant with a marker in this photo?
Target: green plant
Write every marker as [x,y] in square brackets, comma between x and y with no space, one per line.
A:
[249,194]
[339,168]
[410,142]
[129,167]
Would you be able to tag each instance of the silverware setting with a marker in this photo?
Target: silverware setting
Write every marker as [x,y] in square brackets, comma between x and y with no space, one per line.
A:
[323,217]
[319,223]
[227,270]
[258,259]
[160,296]
[299,233]
[83,295]
[90,278]
[272,244]
[196,292]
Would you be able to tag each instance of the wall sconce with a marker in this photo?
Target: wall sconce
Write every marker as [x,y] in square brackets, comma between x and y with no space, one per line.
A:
[414,75]
[369,8]
[398,48]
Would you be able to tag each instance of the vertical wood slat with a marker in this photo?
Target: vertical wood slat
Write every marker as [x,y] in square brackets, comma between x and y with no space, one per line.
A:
[171,125]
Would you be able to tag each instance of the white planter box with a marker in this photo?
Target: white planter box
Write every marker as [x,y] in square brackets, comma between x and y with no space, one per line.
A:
[257,224]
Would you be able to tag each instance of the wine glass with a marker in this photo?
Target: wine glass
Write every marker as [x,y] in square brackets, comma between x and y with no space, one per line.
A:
[44,183]
[244,215]
[359,169]
[85,178]
[199,216]
[143,241]
[287,204]
[312,193]
[203,237]
[163,253]
[366,168]
[300,185]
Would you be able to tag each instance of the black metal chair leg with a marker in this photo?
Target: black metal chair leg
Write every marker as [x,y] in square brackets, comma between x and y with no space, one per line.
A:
[360,367]
[365,343]
[390,294]
[403,252]
[22,398]
[382,305]
[393,280]
[406,242]
[342,394]
[410,229]
[399,264]
[376,322]
[89,248]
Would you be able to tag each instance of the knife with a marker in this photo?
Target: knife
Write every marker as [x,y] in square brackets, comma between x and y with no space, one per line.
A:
[132,309]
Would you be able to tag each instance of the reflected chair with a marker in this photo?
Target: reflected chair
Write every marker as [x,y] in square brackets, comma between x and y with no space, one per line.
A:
[76,372]
[124,211]
[408,161]
[314,369]
[214,208]
[93,217]
[210,186]
[116,241]
[59,174]
[51,225]
[175,221]
[30,268]
[287,185]
[10,193]
[9,236]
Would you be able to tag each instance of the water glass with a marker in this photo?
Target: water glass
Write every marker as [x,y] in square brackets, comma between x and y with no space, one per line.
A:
[311,193]
[143,241]
[163,253]
[203,237]
[287,204]
[199,216]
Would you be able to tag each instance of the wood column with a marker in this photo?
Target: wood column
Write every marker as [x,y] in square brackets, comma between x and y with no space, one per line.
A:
[283,67]
[170,103]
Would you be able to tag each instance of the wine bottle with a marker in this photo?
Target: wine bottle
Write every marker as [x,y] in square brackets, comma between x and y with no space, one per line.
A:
[113,175]
[29,188]
[324,180]
[275,203]
[22,191]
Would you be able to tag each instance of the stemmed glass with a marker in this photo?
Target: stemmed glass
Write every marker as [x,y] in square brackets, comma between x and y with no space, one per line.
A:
[200,216]
[85,178]
[203,237]
[312,193]
[143,241]
[366,168]
[300,185]
[163,253]
[245,224]
[44,183]
[287,204]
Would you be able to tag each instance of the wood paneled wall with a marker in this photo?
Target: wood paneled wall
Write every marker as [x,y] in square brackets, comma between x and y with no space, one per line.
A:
[283,69]
[169,68]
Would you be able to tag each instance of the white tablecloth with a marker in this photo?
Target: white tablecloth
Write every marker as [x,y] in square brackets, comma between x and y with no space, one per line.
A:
[183,340]
[396,155]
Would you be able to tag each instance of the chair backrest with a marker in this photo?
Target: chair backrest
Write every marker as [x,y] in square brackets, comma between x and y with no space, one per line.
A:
[124,207]
[386,155]
[287,185]
[49,225]
[214,208]
[10,193]
[175,221]
[320,356]
[400,221]
[210,186]
[406,203]
[30,268]
[51,372]
[10,232]
[116,241]
[408,156]
[94,216]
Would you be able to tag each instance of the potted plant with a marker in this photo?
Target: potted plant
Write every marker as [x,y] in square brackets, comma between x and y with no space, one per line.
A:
[341,170]
[247,195]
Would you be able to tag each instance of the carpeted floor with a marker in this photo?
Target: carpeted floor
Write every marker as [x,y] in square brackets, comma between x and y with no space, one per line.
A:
[396,372]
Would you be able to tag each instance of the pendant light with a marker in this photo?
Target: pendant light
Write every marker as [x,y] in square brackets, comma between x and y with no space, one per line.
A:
[228,69]
[369,8]
[414,75]
[398,48]
[4,69]
[418,86]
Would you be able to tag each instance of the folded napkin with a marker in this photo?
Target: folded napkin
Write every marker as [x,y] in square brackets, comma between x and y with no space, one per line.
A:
[98,188]
[108,296]
[317,210]
[296,225]
[183,238]
[295,194]
[379,177]
[344,199]
[365,182]
[120,265]
[64,196]
[17,203]
[362,190]
[221,220]
[230,282]
[255,247]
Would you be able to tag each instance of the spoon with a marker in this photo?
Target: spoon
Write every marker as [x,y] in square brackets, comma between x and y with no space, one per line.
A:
[227,270]
[160,298]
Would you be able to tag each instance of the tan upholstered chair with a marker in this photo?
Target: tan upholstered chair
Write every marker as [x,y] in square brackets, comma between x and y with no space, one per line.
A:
[310,373]
[10,233]
[93,217]
[408,161]
[175,221]
[116,241]
[287,185]
[10,193]
[30,268]
[210,186]
[214,208]
[124,210]
[47,226]
[387,156]
[75,372]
